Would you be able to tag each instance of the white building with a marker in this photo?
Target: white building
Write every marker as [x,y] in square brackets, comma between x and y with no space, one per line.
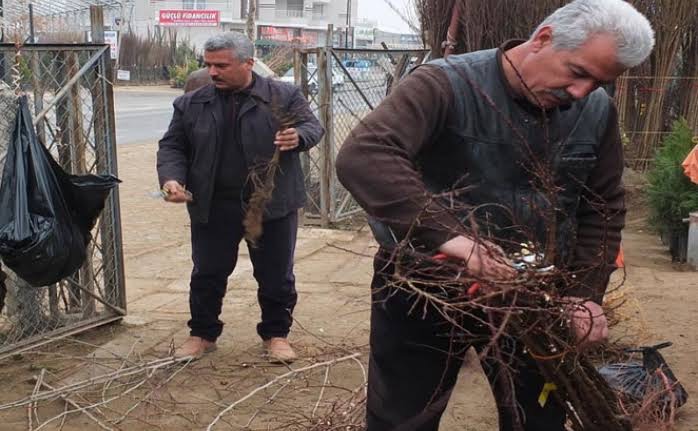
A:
[302,22]
[369,34]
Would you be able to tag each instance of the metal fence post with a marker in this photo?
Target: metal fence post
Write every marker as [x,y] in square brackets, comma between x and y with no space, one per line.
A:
[105,151]
[304,156]
[324,78]
[115,254]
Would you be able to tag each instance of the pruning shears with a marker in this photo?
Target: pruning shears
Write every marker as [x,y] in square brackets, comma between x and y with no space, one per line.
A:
[163,193]
[473,289]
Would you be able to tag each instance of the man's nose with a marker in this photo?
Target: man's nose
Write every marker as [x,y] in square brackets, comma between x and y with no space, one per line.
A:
[579,89]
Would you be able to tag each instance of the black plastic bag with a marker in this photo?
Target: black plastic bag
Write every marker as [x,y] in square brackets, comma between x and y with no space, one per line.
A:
[635,381]
[45,214]
[84,194]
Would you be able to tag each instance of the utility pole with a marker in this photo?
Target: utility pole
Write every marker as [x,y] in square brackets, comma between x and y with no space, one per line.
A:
[31,23]
[2,22]
[97,23]
[251,27]
[2,37]
[346,33]
[119,35]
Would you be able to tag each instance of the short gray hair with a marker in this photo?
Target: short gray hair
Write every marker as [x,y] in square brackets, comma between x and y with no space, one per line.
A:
[574,23]
[232,40]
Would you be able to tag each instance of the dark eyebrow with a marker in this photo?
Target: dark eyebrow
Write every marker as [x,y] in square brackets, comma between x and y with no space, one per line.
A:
[583,72]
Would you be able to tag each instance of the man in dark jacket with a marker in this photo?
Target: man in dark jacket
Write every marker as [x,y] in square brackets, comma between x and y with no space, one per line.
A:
[478,125]
[218,133]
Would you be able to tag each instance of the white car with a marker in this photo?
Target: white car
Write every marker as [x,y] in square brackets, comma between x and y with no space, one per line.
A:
[337,78]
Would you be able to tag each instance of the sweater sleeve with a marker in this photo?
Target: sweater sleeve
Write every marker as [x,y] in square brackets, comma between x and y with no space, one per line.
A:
[377,161]
[601,217]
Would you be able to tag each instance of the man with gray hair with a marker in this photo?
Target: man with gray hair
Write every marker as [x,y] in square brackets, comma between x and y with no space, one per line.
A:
[218,133]
[479,123]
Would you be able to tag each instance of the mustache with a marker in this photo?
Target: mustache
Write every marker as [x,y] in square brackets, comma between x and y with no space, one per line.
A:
[562,95]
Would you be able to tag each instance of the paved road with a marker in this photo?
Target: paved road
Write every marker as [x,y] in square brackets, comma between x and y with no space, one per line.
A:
[142,113]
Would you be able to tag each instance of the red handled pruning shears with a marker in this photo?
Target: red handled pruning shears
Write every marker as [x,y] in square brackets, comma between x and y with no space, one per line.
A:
[473,289]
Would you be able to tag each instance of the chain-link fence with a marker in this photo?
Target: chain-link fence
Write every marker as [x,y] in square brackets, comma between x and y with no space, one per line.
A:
[72,100]
[316,173]
[342,86]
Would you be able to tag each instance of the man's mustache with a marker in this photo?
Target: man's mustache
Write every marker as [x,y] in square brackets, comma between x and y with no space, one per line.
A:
[562,95]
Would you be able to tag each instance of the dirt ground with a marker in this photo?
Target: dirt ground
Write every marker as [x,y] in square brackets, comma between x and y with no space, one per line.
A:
[332,321]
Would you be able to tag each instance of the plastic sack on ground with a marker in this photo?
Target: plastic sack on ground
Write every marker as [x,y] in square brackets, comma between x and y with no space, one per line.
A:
[45,214]
[650,380]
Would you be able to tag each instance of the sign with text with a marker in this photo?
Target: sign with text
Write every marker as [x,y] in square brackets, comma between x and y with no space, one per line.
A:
[123,75]
[189,18]
[288,35]
[112,38]
[410,39]
[363,33]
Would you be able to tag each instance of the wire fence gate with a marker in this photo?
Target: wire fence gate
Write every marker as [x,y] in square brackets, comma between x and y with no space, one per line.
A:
[342,86]
[73,107]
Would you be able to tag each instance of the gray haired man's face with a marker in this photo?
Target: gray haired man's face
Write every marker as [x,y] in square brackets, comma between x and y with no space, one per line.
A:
[227,71]
[558,77]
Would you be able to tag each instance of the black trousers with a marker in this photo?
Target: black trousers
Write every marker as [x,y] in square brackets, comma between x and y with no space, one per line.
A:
[414,364]
[214,253]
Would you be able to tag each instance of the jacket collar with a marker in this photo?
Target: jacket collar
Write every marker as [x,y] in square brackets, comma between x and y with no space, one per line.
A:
[260,89]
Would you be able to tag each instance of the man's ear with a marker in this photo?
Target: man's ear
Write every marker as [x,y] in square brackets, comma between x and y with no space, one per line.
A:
[542,38]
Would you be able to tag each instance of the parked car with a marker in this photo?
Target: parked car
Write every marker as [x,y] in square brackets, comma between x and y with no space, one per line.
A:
[359,69]
[337,78]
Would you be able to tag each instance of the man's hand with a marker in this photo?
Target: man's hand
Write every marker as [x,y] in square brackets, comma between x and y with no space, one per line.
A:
[587,321]
[287,139]
[175,192]
[484,260]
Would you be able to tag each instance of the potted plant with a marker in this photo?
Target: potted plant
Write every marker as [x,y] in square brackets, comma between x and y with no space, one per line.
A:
[671,194]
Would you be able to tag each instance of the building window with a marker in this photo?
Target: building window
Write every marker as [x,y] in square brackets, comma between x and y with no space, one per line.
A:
[244,8]
[318,11]
[193,4]
[295,8]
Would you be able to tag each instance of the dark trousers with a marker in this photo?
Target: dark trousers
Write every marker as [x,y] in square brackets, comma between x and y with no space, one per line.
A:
[215,252]
[414,364]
